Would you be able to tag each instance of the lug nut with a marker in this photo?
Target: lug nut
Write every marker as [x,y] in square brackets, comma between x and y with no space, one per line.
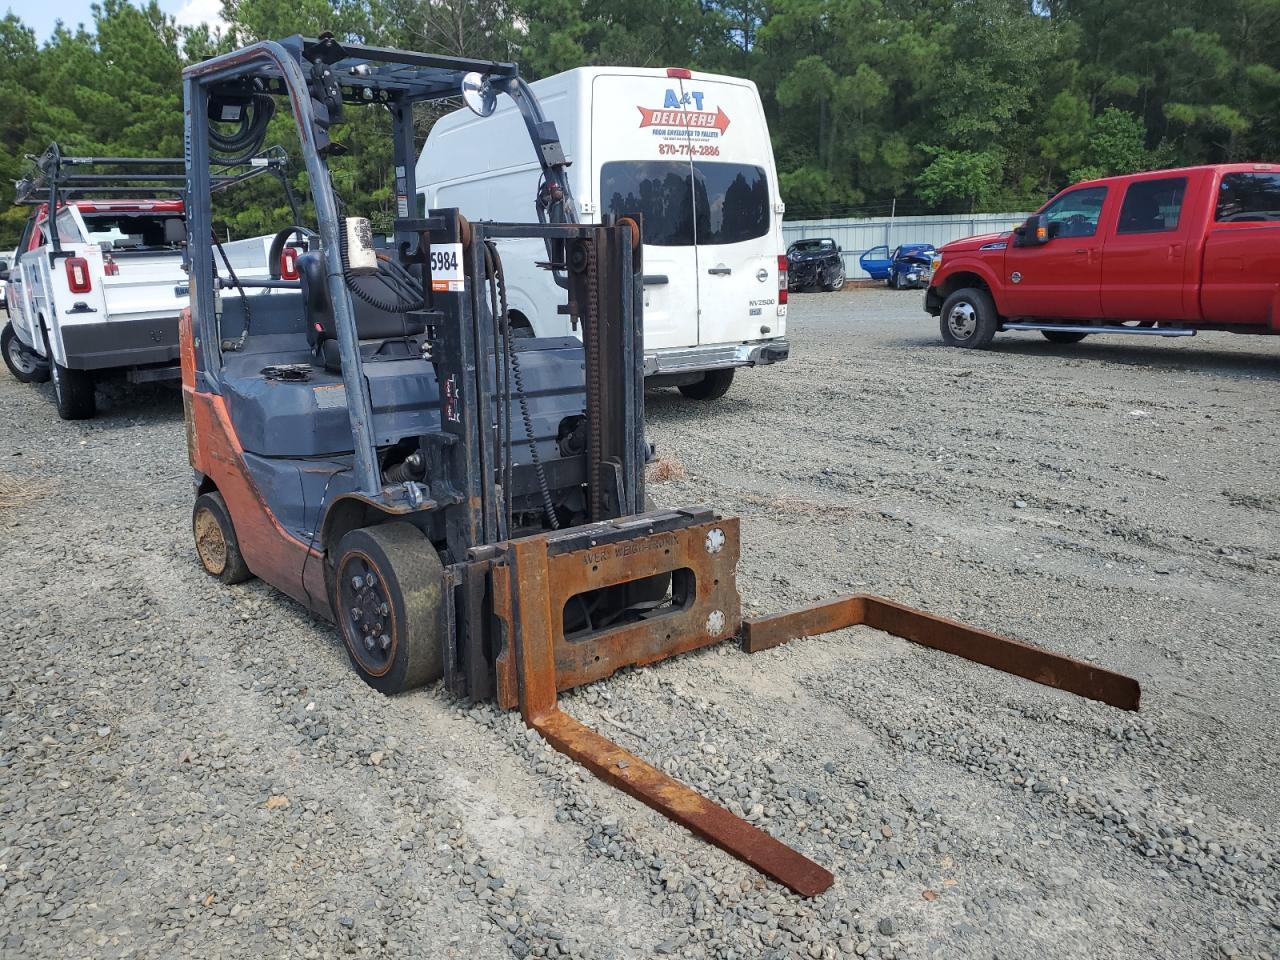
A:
[384,641]
[384,610]
[355,613]
[357,582]
[368,643]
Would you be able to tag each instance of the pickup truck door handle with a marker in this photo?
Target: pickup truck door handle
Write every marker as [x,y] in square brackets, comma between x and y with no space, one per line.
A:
[720,271]
[655,279]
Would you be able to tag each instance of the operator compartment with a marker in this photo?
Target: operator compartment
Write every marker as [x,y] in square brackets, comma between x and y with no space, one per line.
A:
[286,396]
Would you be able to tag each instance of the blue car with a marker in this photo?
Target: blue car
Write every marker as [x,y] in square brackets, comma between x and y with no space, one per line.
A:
[908,266]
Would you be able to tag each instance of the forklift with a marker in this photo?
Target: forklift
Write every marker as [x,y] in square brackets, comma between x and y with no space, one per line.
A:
[468,506]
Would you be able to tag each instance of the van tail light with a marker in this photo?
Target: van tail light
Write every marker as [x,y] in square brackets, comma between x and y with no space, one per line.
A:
[78,275]
[289,264]
[109,267]
[782,279]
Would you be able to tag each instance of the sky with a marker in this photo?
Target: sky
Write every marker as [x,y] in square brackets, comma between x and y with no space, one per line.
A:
[42,16]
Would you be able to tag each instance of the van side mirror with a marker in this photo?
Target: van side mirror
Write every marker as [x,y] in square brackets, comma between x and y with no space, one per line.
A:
[1034,233]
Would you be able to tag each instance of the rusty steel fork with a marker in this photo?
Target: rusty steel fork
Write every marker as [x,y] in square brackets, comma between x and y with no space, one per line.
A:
[533,626]
[992,650]
[539,575]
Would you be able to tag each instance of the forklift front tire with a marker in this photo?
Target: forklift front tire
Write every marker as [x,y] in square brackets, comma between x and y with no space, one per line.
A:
[388,599]
[216,543]
[713,386]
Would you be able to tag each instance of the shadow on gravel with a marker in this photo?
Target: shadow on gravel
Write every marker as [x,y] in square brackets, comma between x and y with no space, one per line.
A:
[1192,358]
[669,405]
[1189,359]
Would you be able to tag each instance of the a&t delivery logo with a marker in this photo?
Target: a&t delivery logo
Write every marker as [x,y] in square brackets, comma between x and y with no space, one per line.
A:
[684,113]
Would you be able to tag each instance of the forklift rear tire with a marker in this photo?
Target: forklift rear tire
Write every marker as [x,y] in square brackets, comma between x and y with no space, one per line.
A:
[388,599]
[1063,336]
[25,366]
[216,543]
[713,386]
[73,391]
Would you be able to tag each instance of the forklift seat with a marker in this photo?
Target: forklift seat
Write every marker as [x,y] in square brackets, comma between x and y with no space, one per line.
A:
[381,333]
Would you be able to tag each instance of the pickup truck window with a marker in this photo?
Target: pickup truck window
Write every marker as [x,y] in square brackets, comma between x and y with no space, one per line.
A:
[68,231]
[129,231]
[1075,214]
[1249,198]
[1152,206]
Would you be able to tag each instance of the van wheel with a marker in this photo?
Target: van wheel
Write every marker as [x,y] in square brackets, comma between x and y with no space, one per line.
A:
[73,391]
[388,598]
[25,366]
[968,319]
[714,385]
[1063,336]
[216,543]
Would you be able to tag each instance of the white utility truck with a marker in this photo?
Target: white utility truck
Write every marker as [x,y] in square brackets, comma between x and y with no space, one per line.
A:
[98,287]
[687,154]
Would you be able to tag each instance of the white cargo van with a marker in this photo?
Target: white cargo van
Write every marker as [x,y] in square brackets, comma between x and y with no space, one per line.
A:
[688,152]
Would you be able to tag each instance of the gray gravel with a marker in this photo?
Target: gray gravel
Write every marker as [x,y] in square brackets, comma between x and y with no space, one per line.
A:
[193,770]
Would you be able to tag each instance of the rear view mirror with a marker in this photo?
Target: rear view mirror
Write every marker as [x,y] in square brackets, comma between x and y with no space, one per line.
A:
[1034,233]
[478,94]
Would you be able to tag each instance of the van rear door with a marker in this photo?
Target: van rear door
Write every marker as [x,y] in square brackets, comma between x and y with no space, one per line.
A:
[737,237]
[641,154]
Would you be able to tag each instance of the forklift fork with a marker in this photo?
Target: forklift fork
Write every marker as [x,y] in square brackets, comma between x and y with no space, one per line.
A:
[538,576]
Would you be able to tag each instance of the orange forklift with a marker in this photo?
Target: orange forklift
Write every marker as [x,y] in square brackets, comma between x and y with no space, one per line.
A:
[369,437]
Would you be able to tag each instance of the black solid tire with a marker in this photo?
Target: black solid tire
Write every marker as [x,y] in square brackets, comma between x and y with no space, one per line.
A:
[1063,336]
[73,392]
[982,312]
[217,548]
[713,386]
[411,581]
[34,371]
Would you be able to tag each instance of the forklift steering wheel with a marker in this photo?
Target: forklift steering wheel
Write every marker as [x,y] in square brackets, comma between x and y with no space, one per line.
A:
[278,242]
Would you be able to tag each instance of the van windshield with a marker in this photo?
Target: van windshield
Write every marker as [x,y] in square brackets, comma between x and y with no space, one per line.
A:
[732,200]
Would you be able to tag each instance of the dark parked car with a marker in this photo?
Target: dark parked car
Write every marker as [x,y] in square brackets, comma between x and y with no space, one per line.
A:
[815,263]
[911,266]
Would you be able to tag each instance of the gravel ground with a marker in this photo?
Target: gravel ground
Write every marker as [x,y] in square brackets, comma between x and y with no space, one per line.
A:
[193,770]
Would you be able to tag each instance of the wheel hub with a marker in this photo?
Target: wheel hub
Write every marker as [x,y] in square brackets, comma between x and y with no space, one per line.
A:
[19,357]
[366,609]
[962,320]
[211,545]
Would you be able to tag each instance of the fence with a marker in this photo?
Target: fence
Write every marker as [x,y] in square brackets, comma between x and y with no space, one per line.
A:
[856,236]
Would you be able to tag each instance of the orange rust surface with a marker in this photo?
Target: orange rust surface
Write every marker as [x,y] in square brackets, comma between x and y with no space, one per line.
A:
[270,552]
[557,579]
[990,649]
[529,598]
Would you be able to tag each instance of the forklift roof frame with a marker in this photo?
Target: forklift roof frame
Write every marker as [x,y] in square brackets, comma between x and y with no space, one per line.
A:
[396,79]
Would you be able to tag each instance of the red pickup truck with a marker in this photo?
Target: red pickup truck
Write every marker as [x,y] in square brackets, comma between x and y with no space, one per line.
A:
[1164,253]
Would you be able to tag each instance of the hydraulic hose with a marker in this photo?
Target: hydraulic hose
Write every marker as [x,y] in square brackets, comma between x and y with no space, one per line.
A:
[248,138]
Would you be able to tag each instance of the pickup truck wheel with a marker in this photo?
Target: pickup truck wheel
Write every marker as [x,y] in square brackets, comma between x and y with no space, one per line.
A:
[216,543]
[968,319]
[25,366]
[388,598]
[1063,336]
[713,386]
[73,391]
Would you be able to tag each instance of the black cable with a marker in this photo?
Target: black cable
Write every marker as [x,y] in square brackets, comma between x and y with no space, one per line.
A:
[541,473]
[244,297]
[386,306]
[247,140]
